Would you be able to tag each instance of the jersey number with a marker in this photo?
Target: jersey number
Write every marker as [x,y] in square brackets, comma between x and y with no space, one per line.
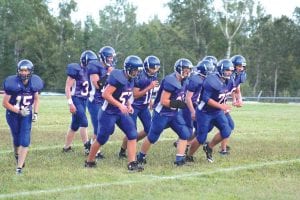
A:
[22,103]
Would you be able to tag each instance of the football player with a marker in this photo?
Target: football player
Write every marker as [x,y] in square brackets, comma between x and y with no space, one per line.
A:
[98,72]
[116,109]
[142,92]
[212,109]
[239,75]
[169,99]
[77,91]
[21,100]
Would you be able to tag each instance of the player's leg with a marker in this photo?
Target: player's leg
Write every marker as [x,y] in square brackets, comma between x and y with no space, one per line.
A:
[158,124]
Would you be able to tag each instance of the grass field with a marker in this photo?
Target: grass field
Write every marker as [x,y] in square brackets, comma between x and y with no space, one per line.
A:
[264,162]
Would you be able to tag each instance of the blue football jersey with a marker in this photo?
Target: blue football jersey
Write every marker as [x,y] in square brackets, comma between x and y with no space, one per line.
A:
[142,81]
[195,85]
[21,95]
[239,78]
[95,67]
[81,85]
[123,92]
[170,84]
[217,89]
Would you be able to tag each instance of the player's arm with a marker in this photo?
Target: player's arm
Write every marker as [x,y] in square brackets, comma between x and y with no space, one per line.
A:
[36,103]
[137,92]
[189,103]
[94,80]
[165,98]
[69,83]
[7,105]
[238,97]
[108,96]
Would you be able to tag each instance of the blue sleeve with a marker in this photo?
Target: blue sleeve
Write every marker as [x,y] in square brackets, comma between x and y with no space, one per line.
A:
[207,91]
[93,68]
[194,83]
[115,79]
[73,70]
[36,83]
[10,85]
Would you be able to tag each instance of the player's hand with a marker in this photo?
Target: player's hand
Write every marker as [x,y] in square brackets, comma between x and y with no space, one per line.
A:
[72,108]
[154,84]
[24,111]
[226,108]
[130,109]
[124,109]
[238,104]
[34,117]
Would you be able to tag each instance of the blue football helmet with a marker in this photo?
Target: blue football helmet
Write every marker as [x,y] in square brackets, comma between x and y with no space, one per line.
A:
[238,60]
[87,56]
[24,64]
[204,68]
[132,63]
[223,66]
[107,55]
[212,59]
[151,62]
[181,64]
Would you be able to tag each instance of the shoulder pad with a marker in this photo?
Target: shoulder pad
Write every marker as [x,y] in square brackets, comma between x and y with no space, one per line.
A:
[171,83]
[196,79]
[117,76]
[36,83]
[11,84]
[213,81]
[94,67]
[73,69]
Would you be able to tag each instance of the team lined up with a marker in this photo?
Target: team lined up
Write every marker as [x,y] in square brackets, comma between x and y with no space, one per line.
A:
[190,101]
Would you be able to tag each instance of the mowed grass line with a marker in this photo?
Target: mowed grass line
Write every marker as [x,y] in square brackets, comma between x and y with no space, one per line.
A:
[265,133]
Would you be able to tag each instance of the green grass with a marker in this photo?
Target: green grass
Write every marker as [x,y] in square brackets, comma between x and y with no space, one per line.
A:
[264,162]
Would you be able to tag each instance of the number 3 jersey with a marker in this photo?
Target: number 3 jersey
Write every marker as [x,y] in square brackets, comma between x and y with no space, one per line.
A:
[123,92]
[21,95]
[80,74]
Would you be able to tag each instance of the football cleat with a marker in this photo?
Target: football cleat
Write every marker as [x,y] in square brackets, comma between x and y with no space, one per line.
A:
[67,150]
[189,159]
[122,154]
[135,166]
[91,164]
[99,156]
[141,160]
[18,171]
[87,147]
[208,151]
[224,153]
[179,163]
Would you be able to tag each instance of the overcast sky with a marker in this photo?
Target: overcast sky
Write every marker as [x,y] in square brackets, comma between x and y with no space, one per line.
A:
[148,8]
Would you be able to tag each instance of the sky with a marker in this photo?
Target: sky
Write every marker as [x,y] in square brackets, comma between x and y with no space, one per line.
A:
[147,9]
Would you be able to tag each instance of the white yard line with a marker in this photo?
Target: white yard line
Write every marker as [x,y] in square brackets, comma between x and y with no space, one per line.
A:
[149,178]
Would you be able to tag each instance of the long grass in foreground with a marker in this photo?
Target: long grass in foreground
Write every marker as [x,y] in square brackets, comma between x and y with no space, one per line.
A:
[264,162]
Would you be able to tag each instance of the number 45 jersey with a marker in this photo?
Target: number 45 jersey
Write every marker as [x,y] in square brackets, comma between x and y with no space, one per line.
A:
[22,96]
[80,74]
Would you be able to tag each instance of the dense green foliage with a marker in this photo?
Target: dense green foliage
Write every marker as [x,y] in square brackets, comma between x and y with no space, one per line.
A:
[193,30]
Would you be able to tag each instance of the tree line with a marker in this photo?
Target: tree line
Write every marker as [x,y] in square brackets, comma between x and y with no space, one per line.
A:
[193,30]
